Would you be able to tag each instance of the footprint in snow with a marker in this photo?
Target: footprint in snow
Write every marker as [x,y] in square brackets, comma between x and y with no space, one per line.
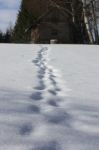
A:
[25,129]
[41,71]
[53,92]
[58,116]
[52,102]
[54,83]
[40,87]
[40,76]
[36,96]
[53,145]
[35,61]
[34,109]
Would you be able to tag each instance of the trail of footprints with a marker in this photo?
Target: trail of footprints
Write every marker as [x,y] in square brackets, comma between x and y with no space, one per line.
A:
[48,80]
[48,89]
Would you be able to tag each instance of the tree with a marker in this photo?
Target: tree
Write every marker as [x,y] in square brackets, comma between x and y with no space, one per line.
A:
[7,36]
[24,19]
[1,37]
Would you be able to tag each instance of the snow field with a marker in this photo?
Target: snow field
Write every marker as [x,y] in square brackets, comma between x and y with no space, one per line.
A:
[28,112]
[40,108]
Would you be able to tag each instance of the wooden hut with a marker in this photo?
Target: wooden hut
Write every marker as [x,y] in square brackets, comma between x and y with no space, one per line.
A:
[54,25]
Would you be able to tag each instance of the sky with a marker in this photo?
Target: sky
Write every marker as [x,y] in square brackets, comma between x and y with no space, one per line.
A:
[8,13]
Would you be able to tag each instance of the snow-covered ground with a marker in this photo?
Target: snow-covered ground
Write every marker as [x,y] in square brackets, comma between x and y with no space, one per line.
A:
[49,97]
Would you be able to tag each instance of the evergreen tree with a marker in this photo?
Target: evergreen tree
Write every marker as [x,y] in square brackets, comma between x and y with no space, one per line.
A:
[1,37]
[24,20]
[7,37]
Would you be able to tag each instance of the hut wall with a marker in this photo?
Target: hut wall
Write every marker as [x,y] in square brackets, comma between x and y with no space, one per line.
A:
[47,31]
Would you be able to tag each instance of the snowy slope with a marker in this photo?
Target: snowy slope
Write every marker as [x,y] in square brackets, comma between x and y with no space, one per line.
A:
[49,97]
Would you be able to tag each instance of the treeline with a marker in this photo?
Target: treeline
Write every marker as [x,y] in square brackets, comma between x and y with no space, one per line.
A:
[6,37]
[17,34]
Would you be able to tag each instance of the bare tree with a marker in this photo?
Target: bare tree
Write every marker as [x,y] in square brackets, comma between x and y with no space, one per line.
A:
[90,11]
